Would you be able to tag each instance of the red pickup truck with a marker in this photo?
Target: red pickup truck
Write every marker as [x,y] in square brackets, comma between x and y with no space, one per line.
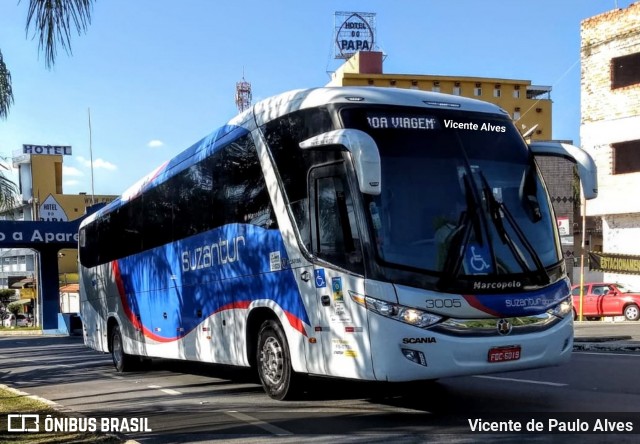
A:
[606,299]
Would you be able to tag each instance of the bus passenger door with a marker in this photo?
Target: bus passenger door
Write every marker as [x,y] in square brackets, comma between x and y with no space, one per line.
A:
[336,242]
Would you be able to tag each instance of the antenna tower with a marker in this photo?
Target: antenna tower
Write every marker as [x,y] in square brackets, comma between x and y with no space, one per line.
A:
[243,94]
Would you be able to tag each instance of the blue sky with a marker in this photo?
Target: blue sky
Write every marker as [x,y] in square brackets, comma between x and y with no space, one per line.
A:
[158,75]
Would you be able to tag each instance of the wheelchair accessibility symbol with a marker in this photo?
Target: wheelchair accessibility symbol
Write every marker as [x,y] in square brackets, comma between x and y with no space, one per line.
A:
[320,279]
[476,261]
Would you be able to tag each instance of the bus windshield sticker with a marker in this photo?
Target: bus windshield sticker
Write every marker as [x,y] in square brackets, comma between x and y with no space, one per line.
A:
[336,284]
[321,281]
[274,261]
[477,259]
[382,120]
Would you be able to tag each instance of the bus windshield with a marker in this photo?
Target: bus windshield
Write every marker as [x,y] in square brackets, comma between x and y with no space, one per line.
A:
[461,195]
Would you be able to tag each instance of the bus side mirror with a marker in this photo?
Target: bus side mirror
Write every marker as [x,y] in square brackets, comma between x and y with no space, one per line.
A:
[363,149]
[586,166]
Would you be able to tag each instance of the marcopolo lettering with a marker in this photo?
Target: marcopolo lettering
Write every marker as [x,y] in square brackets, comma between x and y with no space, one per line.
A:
[496,285]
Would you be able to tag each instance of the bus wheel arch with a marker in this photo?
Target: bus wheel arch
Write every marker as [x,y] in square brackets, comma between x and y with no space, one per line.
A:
[269,353]
[122,361]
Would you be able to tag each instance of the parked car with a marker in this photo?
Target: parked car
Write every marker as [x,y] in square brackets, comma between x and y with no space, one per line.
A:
[606,299]
[10,320]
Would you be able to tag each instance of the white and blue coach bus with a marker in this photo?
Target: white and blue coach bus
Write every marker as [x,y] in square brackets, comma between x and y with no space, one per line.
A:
[366,233]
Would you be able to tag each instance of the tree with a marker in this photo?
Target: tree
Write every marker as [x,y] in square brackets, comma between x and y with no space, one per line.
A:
[53,22]
[6,296]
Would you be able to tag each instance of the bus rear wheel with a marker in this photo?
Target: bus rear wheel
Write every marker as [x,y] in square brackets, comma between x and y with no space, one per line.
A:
[274,362]
[122,361]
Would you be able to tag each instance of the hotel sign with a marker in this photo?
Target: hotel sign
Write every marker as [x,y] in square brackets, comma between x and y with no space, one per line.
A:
[354,32]
[63,150]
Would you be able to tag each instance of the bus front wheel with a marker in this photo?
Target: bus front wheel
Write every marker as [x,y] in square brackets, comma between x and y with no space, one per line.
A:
[274,362]
[122,361]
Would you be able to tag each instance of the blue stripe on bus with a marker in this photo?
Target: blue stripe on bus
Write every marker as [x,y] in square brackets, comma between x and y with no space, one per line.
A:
[521,304]
[207,273]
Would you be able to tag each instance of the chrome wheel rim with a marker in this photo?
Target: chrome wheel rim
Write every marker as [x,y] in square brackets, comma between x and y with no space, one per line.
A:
[272,361]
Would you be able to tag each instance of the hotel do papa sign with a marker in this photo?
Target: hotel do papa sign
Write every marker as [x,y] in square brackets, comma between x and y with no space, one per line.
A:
[354,31]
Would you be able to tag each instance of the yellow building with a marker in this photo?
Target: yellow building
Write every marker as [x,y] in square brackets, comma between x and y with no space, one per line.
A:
[529,105]
[41,198]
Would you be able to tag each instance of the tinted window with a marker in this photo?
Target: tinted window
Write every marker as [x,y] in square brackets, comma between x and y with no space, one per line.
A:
[224,188]
[283,137]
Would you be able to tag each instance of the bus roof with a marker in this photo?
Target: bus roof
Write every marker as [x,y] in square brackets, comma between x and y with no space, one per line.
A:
[291,101]
[285,103]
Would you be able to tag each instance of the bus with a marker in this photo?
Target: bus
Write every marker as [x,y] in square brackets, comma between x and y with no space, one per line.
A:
[353,232]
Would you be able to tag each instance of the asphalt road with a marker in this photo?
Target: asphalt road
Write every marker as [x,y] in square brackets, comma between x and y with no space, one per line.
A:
[190,402]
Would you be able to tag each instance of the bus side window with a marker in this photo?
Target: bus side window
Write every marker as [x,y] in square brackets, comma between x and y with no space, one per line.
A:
[300,211]
[337,239]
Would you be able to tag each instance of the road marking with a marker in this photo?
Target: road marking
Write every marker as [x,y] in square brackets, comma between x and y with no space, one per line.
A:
[258,423]
[527,381]
[167,391]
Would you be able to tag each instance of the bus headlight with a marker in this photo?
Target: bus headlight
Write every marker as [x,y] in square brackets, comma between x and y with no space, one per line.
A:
[562,309]
[408,315]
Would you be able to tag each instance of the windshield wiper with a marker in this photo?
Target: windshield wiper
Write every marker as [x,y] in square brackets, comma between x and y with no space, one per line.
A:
[529,194]
[469,219]
[496,209]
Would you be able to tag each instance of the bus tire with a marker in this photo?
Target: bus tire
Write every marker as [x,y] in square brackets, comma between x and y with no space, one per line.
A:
[274,362]
[122,361]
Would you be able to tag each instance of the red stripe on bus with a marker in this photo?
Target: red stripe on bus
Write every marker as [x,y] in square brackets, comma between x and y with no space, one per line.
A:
[475,303]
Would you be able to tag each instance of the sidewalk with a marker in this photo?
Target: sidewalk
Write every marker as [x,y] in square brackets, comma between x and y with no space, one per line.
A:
[606,336]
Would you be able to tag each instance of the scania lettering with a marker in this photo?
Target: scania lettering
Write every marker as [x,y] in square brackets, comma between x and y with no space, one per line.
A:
[375,234]
[419,340]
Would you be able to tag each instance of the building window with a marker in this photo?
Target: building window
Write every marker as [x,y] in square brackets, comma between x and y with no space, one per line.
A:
[477,91]
[626,157]
[435,88]
[625,70]
[496,92]
[516,115]
[414,84]
[516,92]
[457,91]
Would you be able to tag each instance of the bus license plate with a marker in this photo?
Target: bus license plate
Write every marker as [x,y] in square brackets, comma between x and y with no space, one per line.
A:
[504,354]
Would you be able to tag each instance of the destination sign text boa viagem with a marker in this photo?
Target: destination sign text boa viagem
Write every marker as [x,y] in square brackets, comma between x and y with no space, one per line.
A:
[614,263]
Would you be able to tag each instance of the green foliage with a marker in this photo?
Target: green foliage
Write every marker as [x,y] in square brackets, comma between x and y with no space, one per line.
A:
[53,22]
[6,93]
[14,308]
[7,293]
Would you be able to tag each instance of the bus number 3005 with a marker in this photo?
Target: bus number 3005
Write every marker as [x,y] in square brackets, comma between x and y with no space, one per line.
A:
[443,303]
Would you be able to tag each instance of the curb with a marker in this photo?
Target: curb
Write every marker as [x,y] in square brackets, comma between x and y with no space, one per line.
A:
[606,343]
[20,333]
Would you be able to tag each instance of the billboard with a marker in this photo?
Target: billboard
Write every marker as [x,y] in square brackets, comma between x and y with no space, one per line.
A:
[354,31]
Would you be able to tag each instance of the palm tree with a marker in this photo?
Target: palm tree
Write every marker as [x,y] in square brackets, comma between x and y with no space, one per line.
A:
[6,94]
[53,21]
